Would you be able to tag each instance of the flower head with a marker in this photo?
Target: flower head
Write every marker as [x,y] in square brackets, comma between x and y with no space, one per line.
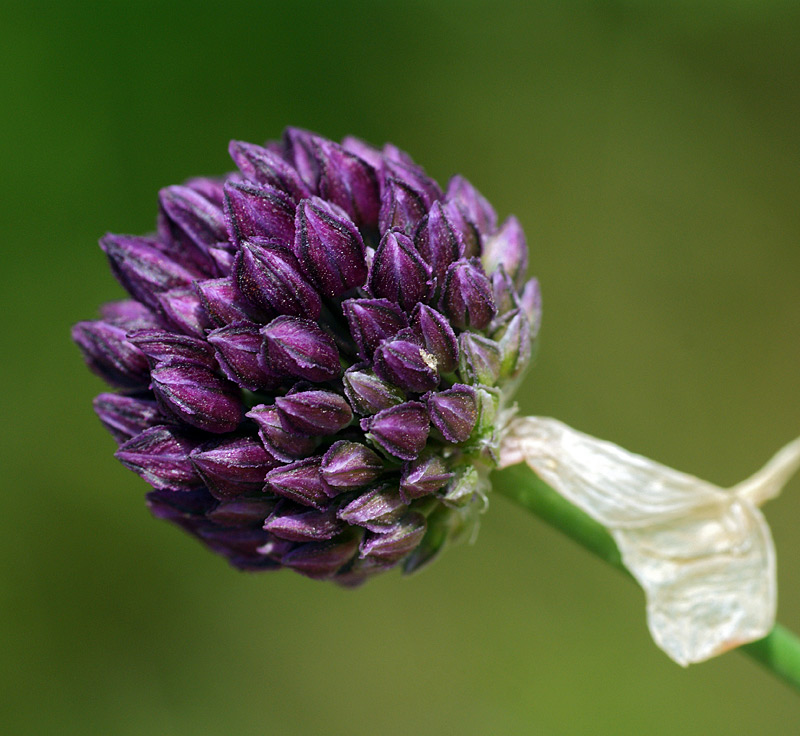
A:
[312,361]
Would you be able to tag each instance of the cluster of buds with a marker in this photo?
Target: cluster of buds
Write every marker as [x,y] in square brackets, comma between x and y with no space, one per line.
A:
[315,354]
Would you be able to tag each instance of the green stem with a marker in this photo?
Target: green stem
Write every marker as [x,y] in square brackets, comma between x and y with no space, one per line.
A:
[779,651]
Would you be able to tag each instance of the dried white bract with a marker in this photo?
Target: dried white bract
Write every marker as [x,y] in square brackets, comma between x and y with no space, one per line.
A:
[703,555]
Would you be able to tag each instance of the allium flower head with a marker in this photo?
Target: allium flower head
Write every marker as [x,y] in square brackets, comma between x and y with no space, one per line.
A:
[316,351]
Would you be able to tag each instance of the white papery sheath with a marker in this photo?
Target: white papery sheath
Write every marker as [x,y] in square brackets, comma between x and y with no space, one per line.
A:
[703,555]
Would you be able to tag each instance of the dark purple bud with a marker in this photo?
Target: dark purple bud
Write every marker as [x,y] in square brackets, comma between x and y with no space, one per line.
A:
[404,169]
[301,524]
[192,223]
[259,212]
[187,505]
[531,302]
[125,416]
[143,270]
[364,151]
[398,272]
[392,153]
[241,512]
[407,365]
[160,345]
[402,207]
[440,526]
[299,348]
[197,396]
[130,315]
[479,359]
[515,347]
[467,295]
[438,241]
[269,277]
[110,355]
[222,255]
[396,543]
[266,167]
[507,247]
[211,189]
[238,349]
[369,394]
[372,321]
[377,510]
[454,412]
[467,229]
[223,301]
[286,446]
[160,455]
[349,465]
[239,544]
[349,182]
[329,247]
[321,560]
[183,308]
[504,292]
[300,482]
[313,413]
[301,151]
[233,467]
[423,476]
[400,430]
[475,205]
[438,337]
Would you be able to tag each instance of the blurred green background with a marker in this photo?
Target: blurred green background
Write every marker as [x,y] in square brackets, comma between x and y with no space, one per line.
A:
[652,154]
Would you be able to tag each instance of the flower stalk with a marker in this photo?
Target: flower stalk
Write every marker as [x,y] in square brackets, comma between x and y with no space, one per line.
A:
[779,651]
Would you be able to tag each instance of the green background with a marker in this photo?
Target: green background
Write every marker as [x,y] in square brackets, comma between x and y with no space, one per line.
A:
[651,151]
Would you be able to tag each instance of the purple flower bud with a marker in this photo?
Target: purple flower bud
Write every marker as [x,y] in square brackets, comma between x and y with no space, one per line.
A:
[467,295]
[438,336]
[348,181]
[403,169]
[503,292]
[125,416]
[454,412]
[269,277]
[479,359]
[301,524]
[349,465]
[423,476]
[407,365]
[110,355]
[130,315]
[299,348]
[241,512]
[475,205]
[329,247]
[363,150]
[439,528]
[396,543]
[197,396]
[240,545]
[160,455]
[321,560]
[301,151]
[313,413]
[507,247]
[398,272]
[144,271]
[259,212]
[301,482]
[286,446]
[377,510]
[183,308]
[400,430]
[438,241]
[192,223]
[187,505]
[223,301]
[231,467]
[531,302]
[402,207]
[515,347]
[467,229]
[369,394]
[160,345]
[238,349]
[265,167]
[372,321]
